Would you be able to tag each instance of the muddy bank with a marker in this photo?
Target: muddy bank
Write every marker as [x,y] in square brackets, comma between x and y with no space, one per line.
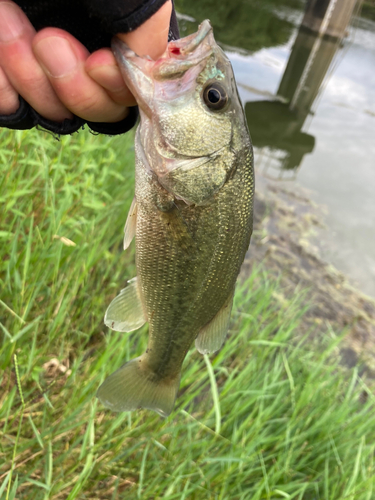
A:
[287,239]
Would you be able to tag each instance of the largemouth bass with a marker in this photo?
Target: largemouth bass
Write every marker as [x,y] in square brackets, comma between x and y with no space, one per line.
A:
[191,215]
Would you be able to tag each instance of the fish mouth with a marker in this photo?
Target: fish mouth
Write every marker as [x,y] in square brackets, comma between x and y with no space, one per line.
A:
[179,56]
[175,48]
[187,45]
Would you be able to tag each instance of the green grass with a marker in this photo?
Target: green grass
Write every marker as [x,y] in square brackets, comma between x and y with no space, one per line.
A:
[266,418]
[368,9]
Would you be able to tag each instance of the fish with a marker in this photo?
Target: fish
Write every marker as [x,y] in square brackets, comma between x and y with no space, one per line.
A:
[192,215]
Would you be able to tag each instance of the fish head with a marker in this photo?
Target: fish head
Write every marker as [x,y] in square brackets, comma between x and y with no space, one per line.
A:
[188,99]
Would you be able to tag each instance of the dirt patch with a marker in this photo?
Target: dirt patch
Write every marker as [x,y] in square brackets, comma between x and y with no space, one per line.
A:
[288,230]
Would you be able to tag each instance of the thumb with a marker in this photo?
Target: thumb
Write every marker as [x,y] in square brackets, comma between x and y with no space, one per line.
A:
[151,38]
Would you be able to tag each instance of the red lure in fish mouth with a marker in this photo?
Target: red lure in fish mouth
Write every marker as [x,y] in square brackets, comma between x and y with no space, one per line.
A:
[175,50]
[189,43]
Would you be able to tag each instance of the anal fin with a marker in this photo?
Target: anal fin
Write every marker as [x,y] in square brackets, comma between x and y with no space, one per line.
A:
[131,224]
[125,313]
[212,336]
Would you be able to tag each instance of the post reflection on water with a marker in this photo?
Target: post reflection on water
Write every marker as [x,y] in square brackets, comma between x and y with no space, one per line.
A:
[278,122]
[306,77]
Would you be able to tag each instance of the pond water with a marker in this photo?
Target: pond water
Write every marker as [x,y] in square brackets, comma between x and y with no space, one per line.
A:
[310,106]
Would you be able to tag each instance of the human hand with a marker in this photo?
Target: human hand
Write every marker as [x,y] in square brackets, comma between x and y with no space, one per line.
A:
[57,75]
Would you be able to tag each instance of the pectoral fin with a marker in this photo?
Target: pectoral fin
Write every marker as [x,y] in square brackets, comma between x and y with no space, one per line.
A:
[125,313]
[131,223]
[212,336]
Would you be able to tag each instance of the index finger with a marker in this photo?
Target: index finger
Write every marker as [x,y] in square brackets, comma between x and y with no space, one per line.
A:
[151,38]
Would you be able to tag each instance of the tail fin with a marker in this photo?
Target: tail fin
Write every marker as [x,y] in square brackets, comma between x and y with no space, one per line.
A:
[135,386]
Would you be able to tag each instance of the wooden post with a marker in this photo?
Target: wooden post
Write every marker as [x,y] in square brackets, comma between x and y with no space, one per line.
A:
[329,17]
[323,26]
[307,66]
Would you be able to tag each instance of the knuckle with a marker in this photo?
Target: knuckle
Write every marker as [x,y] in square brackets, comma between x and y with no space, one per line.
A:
[93,106]
[33,83]
[3,78]
[85,106]
[89,104]
[9,102]
[7,92]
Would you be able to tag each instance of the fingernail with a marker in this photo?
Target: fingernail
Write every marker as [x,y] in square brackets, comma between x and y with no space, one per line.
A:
[11,22]
[56,55]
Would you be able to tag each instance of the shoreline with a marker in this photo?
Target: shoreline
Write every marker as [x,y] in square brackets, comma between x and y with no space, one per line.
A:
[286,242]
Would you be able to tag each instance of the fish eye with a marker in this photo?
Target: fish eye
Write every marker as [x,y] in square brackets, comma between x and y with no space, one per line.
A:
[215,96]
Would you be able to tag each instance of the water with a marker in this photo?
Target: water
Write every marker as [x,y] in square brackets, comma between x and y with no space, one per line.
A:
[310,105]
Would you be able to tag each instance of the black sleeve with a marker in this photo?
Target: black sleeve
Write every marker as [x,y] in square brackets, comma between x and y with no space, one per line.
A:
[93,23]
[122,16]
